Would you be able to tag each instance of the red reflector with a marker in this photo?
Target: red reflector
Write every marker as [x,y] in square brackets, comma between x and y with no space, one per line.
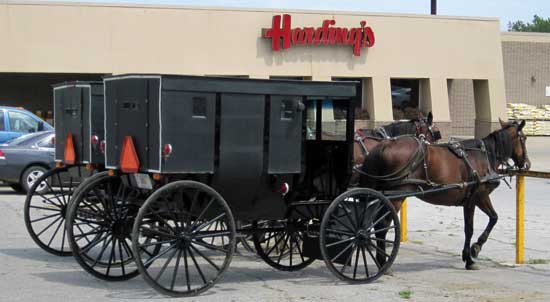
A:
[70,156]
[94,140]
[102,146]
[53,140]
[2,155]
[129,161]
[167,149]
[284,188]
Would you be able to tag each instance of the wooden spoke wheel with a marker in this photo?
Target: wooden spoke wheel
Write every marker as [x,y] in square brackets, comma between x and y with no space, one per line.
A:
[46,205]
[246,240]
[359,236]
[99,223]
[280,243]
[181,219]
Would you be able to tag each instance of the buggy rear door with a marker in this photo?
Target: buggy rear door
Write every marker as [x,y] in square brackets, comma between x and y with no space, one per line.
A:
[132,110]
[285,134]
[68,119]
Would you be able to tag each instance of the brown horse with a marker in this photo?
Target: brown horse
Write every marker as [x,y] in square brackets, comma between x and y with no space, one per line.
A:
[408,164]
[367,139]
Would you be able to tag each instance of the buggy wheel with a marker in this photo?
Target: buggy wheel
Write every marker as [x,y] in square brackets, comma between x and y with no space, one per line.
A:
[45,208]
[99,224]
[246,239]
[280,244]
[355,231]
[178,217]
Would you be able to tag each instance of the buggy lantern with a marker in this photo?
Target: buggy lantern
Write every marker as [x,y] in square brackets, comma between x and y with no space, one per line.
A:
[94,140]
[129,161]
[70,155]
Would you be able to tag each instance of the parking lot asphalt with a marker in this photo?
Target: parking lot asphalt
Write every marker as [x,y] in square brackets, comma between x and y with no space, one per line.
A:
[428,267]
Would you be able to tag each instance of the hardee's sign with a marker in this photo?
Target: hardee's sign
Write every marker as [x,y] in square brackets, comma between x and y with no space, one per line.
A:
[358,37]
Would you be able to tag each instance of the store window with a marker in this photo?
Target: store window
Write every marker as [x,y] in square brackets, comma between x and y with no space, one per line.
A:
[21,122]
[360,113]
[405,98]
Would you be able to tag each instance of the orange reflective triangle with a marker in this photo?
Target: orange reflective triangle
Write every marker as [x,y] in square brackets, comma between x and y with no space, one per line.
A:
[70,155]
[129,161]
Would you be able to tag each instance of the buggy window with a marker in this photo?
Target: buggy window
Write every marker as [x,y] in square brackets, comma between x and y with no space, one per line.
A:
[199,107]
[334,117]
[2,121]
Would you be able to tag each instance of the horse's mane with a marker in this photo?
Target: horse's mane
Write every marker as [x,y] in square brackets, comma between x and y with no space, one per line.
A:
[400,128]
[499,145]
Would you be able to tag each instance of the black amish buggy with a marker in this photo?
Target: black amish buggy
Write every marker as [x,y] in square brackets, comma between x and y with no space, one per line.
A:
[78,121]
[189,158]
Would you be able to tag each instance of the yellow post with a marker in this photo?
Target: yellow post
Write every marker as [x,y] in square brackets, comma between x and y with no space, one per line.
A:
[403,217]
[520,203]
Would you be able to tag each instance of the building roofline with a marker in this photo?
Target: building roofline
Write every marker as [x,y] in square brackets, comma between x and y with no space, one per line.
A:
[244,9]
[525,37]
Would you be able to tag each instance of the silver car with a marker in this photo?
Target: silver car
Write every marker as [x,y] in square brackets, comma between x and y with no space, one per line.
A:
[26,158]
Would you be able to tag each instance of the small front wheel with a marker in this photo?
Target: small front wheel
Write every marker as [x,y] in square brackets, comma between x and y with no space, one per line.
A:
[179,219]
[356,232]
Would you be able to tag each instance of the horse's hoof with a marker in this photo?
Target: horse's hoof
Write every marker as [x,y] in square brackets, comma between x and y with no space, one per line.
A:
[472,267]
[475,249]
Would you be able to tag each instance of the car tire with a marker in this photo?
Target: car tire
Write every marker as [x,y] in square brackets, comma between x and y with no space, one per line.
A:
[31,174]
[17,188]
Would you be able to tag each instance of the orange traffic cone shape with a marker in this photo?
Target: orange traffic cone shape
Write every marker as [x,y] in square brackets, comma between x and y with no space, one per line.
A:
[70,155]
[129,161]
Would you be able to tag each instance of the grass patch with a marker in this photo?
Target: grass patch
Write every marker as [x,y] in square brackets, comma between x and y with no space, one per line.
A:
[405,294]
[417,242]
[538,261]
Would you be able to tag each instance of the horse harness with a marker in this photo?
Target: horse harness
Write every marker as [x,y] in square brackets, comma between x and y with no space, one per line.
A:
[401,176]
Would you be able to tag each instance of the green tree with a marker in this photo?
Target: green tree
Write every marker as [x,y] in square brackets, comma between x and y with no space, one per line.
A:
[539,24]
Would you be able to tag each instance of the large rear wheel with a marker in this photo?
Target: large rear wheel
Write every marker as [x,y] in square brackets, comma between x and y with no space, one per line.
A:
[99,223]
[46,205]
[194,229]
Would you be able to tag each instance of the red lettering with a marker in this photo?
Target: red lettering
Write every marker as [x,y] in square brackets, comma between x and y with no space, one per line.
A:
[358,37]
[326,24]
[342,36]
[332,36]
[355,40]
[298,36]
[369,37]
[310,31]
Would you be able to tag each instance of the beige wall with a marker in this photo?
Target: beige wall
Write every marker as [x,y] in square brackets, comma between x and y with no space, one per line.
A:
[122,39]
[527,67]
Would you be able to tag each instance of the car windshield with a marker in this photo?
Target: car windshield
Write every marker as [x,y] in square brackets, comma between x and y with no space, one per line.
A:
[26,139]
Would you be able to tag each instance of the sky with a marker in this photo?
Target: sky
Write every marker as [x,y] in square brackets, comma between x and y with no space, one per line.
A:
[506,10]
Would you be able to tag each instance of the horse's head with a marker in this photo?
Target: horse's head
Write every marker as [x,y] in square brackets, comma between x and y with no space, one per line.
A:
[518,140]
[425,127]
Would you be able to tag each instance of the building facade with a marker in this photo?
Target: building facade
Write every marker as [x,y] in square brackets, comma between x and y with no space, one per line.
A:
[451,66]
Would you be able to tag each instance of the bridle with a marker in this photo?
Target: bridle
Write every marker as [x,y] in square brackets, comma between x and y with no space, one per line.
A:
[436,134]
[522,140]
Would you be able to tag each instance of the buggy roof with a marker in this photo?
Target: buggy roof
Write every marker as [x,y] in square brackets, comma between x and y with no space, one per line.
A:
[250,86]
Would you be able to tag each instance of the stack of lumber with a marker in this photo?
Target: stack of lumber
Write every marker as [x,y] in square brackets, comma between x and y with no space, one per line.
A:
[537,119]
